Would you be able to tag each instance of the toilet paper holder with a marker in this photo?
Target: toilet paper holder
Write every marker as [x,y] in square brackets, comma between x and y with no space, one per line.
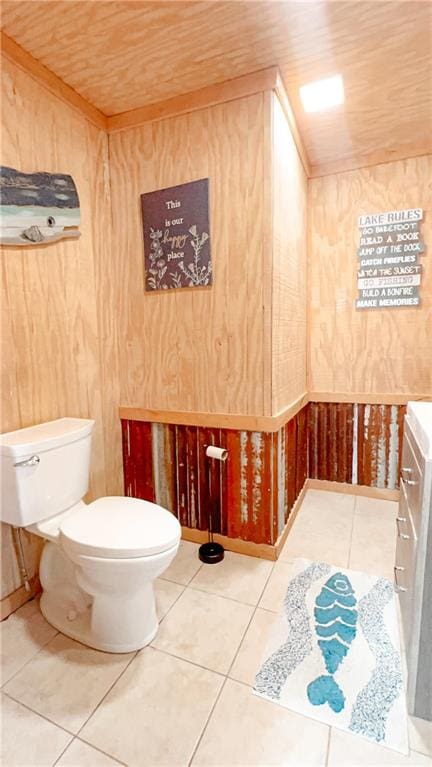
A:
[211,552]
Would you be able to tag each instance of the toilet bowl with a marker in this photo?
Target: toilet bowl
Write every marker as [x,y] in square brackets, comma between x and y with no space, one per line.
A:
[100,559]
[117,547]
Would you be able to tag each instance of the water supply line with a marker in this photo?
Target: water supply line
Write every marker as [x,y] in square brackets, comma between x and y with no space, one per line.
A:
[17,541]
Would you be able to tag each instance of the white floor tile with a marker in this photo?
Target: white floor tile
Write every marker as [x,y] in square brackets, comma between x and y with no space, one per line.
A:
[80,754]
[155,714]
[251,652]
[373,541]
[166,594]
[66,681]
[275,590]
[237,577]
[28,740]
[420,735]
[205,629]
[376,507]
[348,750]
[22,636]
[185,564]
[245,730]
[322,529]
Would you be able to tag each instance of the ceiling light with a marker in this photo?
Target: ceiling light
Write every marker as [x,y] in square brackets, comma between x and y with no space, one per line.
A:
[322,94]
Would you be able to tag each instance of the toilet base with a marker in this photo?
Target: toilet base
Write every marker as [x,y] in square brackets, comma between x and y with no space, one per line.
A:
[79,628]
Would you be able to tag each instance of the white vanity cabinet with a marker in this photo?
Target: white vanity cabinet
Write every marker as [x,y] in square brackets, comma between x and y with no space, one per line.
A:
[413,566]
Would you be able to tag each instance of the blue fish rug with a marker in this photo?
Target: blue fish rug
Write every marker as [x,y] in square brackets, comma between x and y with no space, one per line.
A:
[334,654]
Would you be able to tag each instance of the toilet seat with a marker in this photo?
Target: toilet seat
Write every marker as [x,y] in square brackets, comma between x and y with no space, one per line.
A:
[116,527]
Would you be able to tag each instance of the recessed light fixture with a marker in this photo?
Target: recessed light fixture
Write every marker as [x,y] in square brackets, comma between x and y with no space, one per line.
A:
[322,94]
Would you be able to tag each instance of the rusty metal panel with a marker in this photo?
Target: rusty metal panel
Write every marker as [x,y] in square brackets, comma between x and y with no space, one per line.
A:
[251,496]
[302,450]
[233,504]
[140,457]
[128,463]
[330,438]
[378,450]
[355,443]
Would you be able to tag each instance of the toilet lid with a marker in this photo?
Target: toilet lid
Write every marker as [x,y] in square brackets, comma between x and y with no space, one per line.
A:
[117,528]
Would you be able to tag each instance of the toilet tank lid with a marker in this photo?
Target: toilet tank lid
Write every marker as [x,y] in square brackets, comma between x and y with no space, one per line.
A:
[44,436]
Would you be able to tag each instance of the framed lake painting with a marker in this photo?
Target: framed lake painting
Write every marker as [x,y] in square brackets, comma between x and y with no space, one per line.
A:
[177,237]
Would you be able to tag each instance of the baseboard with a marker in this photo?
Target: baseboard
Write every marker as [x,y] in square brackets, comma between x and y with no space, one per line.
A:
[345,487]
[290,521]
[261,550]
[19,597]
[266,550]
[238,545]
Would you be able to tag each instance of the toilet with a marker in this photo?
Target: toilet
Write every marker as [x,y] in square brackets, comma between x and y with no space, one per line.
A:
[100,559]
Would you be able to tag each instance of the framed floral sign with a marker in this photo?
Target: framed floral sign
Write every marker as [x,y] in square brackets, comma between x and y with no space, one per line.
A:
[177,236]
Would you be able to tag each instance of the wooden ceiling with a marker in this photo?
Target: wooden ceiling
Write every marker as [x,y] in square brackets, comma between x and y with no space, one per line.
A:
[124,54]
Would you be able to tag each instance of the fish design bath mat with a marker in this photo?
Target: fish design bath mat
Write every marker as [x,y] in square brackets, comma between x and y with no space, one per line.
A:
[334,654]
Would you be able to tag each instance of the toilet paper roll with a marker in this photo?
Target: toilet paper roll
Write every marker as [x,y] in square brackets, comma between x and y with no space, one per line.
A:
[217,452]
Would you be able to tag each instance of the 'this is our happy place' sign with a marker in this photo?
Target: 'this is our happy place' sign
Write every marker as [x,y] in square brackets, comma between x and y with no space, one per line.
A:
[176,237]
[389,271]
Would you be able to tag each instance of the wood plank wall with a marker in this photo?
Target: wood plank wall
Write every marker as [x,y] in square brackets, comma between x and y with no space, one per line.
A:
[288,318]
[200,349]
[59,335]
[364,353]
[249,497]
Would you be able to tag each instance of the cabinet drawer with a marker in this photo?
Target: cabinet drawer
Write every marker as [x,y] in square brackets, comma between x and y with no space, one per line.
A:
[411,480]
[405,561]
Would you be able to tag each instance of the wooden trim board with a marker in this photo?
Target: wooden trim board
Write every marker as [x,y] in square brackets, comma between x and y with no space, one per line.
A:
[19,597]
[216,420]
[238,545]
[381,493]
[246,85]
[239,87]
[272,552]
[281,93]
[12,51]
[260,422]
[360,398]
[380,157]
[290,521]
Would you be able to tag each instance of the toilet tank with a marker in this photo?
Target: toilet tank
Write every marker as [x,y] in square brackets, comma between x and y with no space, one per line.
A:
[44,469]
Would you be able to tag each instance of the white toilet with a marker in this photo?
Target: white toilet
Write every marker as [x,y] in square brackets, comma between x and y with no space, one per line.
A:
[100,560]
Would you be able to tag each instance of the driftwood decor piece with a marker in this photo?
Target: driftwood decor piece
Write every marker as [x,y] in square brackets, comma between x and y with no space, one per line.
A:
[176,237]
[37,207]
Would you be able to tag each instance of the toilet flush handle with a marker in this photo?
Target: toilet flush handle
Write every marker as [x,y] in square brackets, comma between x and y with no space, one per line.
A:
[33,461]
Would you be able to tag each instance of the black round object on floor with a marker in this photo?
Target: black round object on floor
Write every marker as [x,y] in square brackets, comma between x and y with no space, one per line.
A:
[211,552]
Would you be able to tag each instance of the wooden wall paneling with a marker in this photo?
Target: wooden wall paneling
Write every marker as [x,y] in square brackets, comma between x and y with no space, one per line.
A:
[31,66]
[211,307]
[252,254]
[200,349]
[108,297]
[308,41]
[54,293]
[366,352]
[268,203]
[289,266]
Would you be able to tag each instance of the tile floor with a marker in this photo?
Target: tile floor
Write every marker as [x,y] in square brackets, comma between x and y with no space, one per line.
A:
[187,698]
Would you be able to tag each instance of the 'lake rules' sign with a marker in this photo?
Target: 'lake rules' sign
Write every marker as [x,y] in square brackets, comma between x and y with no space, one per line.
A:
[176,237]
[389,270]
